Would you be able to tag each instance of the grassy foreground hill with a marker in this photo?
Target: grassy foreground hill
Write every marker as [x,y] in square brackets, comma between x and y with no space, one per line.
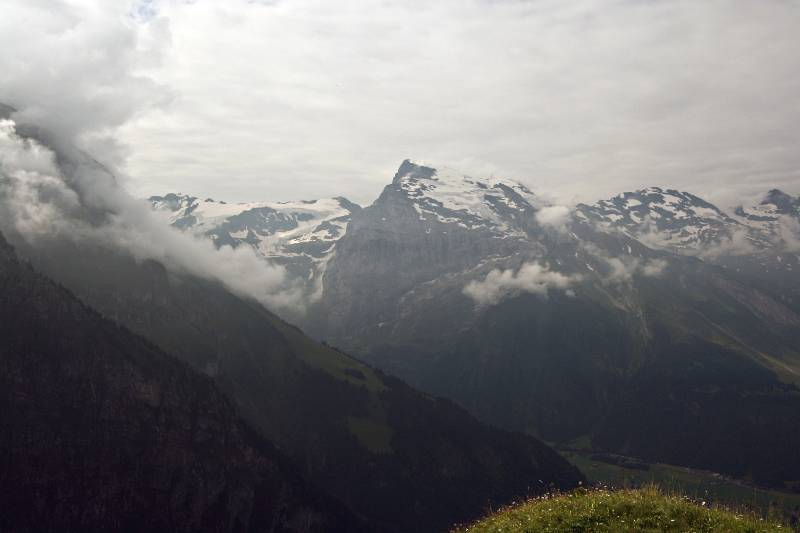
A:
[647,509]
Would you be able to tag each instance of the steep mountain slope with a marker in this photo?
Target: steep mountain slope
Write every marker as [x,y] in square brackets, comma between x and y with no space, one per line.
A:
[301,236]
[372,441]
[419,236]
[102,431]
[556,324]
[403,460]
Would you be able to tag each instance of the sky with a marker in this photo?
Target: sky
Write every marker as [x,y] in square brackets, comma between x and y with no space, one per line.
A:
[297,99]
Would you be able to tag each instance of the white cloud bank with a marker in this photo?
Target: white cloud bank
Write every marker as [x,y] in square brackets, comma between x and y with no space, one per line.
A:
[554,216]
[307,98]
[531,278]
[623,269]
[40,203]
[73,70]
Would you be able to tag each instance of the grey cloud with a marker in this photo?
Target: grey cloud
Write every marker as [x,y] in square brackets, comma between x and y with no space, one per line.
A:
[622,269]
[583,99]
[73,72]
[653,268]
[309,98]
[71,67]
[531,278]
[40,203]
[737,243]
[554,216]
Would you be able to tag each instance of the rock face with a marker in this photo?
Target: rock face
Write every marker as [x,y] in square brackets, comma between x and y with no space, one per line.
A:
[102,431]
[426,231]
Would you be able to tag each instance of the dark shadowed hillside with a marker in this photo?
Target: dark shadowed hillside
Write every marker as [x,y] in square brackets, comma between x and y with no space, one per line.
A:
[102,431]
[402,459]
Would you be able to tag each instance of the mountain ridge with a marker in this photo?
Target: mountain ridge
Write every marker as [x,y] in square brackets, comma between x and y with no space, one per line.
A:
[570,323]
[662,218]
[579,317]
[104,432]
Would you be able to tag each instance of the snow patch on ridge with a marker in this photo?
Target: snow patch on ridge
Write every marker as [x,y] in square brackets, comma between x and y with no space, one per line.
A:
[452,197]
[269,227]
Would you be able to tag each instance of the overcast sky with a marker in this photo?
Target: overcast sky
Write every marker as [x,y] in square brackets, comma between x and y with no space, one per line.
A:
[287,99]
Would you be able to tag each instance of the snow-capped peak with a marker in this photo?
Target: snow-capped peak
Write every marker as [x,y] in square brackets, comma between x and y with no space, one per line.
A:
[268,226]
[774,204]
[300,235]
[775,220]
[663,217]
[762,239]
[449,196]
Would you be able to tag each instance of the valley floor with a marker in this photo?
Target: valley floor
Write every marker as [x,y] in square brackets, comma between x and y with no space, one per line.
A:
[700,485]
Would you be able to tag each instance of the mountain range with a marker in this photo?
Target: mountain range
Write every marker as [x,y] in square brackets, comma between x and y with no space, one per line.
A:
[653,324]
[99,337]
[442,333]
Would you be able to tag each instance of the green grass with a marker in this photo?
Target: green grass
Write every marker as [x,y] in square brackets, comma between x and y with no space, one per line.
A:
[374,436]
[373,430]
[697,484]
[648,509]
[327,359]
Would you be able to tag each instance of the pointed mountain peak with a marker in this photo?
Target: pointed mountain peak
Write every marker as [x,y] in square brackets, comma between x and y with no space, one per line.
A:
[450,196]
[785,203]
[172,201]
[409,168]
[347,204]
[776,194]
